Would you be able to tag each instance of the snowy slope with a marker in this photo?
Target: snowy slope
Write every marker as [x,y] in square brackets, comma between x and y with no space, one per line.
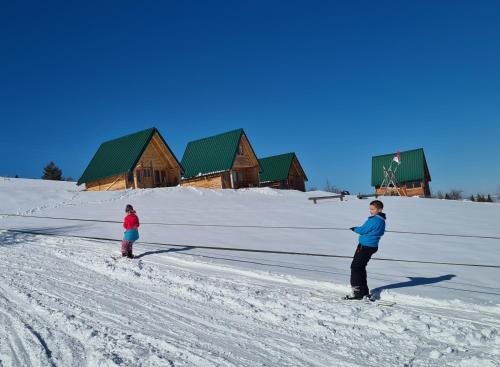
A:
[66,301]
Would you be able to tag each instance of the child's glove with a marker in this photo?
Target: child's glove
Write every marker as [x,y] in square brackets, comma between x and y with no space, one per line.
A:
[352,228]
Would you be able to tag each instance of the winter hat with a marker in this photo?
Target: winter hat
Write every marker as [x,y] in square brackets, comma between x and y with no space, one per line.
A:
[129,209]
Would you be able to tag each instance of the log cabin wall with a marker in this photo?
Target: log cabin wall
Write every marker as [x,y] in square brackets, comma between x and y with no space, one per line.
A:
[245,177]
[226,180]
[275,184]
[422,190]
[208,182]
[117,182]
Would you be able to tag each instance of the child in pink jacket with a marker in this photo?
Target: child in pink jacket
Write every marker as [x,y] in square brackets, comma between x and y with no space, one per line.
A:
[131,225]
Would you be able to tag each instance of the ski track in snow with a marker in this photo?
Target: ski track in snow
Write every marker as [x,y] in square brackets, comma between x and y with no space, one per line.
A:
[74,201]
[67,302]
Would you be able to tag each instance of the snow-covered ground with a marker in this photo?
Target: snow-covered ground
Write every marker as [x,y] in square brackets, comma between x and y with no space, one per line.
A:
[65,301]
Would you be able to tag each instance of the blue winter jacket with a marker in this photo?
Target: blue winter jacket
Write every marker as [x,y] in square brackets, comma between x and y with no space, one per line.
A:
[372,230]
[131,235]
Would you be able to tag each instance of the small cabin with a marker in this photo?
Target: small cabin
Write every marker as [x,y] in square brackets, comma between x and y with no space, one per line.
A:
[282,172]
[412,174]
[224,161]
[140,160]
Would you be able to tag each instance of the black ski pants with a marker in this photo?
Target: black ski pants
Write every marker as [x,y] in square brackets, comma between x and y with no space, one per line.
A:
[358,269]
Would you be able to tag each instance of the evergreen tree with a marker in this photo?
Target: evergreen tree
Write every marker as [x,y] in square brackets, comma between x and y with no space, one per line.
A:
[446,196]
[472,198]
[489,199]
[52,172]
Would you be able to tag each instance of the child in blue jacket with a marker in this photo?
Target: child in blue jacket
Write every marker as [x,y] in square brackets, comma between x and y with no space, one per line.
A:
[369,237]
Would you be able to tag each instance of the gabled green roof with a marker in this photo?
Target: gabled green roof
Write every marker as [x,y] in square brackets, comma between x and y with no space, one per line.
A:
[276,168]
[211,155]
[413,166]
[119,155]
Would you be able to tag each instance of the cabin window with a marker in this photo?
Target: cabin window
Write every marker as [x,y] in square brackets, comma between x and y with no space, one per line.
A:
[240,150]
[130,177]
[147,172]
[163,176]
[157,176]
[139,176]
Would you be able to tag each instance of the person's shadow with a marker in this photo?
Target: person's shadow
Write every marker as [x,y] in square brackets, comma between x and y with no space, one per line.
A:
[147,253]
[413,282]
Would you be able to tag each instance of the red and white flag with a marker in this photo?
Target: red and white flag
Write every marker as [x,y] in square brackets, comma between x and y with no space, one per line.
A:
[397,158]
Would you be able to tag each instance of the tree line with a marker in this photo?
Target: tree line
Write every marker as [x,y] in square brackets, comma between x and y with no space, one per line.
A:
[457,195]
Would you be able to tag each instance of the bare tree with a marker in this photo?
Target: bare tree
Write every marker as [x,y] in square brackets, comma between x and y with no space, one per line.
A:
[455,194]
[331,188]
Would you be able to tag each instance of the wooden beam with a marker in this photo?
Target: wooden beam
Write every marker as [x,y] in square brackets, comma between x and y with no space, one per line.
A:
[316,198]
[115,181]
[231,177]
[362,196]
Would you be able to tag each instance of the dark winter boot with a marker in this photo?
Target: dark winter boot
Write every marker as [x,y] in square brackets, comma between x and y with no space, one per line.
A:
[354,296]
[350,297]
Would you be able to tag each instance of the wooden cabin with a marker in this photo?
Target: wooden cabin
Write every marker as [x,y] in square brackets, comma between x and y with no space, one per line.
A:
[282,172]
[140,160]
[224,161]
[412,174]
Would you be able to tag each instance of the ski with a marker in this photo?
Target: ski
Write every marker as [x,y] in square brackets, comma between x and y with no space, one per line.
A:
[380,302]
[367,299]
[122,257]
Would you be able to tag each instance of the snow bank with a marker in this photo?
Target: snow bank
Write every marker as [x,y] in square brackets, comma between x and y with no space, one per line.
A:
[66,301]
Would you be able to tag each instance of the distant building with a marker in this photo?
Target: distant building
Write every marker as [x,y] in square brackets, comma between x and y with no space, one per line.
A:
[220,162]
[282,172]
[412,173]
[139,160]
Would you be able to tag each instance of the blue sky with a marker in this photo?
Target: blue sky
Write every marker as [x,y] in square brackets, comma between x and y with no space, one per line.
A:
[336,82]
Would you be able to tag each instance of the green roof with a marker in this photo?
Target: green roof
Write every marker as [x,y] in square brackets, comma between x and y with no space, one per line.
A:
[413,167]
[211,155]
[276,168]
[119,155]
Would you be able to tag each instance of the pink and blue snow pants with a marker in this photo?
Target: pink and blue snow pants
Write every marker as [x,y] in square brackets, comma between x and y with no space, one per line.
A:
[127,248]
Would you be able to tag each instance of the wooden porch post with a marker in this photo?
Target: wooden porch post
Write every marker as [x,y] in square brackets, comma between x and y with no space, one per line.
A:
[231,177]
[135,179]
